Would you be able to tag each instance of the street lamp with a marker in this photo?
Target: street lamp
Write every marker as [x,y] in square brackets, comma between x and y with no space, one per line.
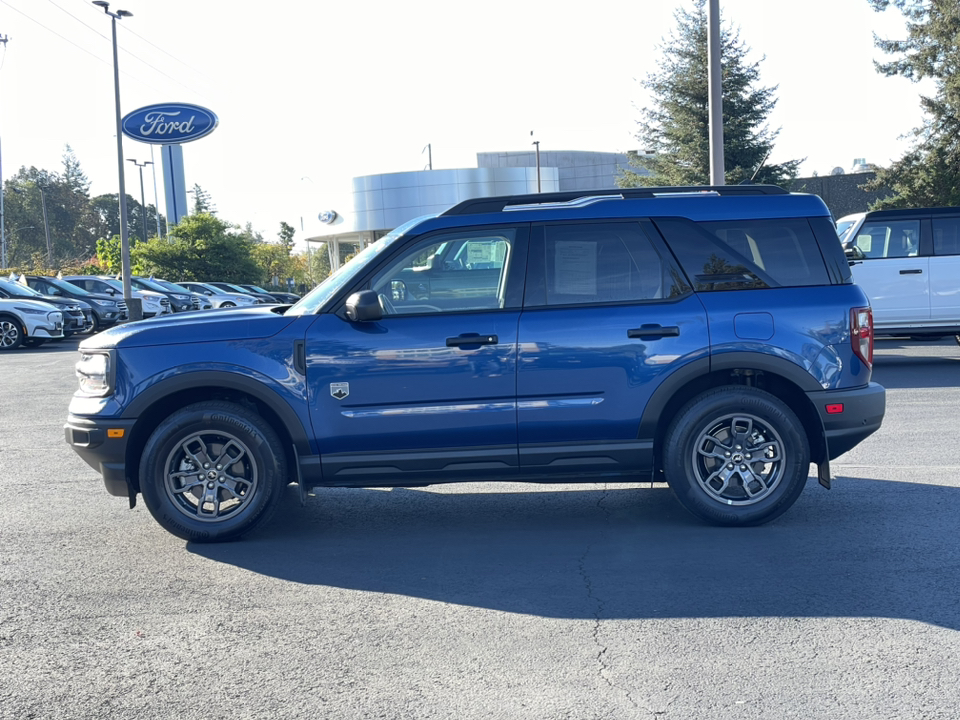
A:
[134,308]
[46,225]
[143,202]
[537,144]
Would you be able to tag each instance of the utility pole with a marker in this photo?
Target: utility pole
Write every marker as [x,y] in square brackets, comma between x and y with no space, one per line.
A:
[3,232]
[46,225]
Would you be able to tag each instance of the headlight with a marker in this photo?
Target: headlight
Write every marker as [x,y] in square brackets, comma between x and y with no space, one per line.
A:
[105,303]
[182,297]
[31,311]
[96,373]
[249,300]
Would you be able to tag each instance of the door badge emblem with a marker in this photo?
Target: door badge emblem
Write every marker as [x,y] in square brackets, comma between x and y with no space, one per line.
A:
[339,390]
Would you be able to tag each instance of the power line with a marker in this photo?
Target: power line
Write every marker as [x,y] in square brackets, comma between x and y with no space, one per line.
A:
[54,32]
[174,57]
[78,20]
[128,52]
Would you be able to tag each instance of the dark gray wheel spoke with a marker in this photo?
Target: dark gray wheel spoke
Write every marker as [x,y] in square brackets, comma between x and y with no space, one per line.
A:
[738,459]
[211,476]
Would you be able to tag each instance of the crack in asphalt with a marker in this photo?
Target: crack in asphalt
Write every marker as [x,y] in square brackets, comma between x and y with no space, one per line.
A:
[603,668]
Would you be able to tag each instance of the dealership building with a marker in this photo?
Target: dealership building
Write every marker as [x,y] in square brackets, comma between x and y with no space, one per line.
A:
[378,203]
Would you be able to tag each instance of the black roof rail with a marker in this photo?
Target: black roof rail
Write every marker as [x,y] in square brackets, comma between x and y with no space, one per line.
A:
[476,206]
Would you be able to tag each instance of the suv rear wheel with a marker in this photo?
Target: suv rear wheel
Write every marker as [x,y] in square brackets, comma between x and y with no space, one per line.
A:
[736,456]
[212,471]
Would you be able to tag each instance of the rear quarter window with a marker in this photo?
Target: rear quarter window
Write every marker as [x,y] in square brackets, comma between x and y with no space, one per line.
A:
[746,254]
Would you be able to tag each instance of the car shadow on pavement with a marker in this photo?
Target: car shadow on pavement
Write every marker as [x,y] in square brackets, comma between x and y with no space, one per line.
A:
[867,548]
[905,371]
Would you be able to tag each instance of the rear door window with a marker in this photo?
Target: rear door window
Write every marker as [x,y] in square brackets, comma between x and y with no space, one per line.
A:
[946,236]
[746,254]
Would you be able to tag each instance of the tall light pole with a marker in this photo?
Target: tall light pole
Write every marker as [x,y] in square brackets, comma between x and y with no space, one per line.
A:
[134,308]
[156,198]
[143,202]
[46,225]
[536,143]
[3,232]
[716,93]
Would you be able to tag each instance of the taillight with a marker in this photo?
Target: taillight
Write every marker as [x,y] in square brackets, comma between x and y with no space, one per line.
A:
[861,333]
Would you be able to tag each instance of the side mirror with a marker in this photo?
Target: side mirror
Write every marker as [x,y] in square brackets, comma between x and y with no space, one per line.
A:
[363,306]
[853,253]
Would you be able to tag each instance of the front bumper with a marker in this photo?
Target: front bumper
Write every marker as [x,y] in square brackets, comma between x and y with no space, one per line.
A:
[44,329]
[856,415]
[98,444]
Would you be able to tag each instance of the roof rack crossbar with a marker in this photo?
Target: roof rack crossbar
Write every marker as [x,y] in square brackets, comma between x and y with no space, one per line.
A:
[566,199]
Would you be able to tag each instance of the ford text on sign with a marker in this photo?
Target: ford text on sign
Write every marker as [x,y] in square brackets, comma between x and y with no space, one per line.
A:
[169,123]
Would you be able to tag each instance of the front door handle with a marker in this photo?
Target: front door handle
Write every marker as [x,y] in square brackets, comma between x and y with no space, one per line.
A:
[472,339]
[652,332]
[917,271]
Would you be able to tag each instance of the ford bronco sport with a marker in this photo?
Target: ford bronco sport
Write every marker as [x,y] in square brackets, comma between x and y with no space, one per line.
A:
[711,338]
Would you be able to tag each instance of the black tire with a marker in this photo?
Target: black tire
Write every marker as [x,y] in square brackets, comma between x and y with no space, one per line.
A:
[95,328]
[711,450]
[11,334]
[218,503]
[228,304]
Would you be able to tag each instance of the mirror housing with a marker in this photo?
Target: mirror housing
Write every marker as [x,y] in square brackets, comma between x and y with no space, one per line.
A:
[853,253]
[363,306]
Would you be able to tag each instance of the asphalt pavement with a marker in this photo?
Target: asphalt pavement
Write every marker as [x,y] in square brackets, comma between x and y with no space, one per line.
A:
[489,601]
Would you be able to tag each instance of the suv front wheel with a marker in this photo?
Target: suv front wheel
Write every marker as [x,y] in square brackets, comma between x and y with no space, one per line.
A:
[212,471]
[736,455]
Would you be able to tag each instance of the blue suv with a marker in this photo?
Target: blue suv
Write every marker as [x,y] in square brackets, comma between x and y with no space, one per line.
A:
[710,338]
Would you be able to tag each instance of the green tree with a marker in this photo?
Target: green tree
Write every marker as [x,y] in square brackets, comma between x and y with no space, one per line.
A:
[103,217]
[201,247]
[674,130]
[286,236]
[202,203]
[929,173]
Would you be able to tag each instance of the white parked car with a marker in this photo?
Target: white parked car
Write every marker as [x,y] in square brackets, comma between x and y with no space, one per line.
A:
[25,320]
[219,298]
[908,263]
[153,303]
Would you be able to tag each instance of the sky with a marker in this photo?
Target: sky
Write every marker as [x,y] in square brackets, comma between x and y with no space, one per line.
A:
[311,93]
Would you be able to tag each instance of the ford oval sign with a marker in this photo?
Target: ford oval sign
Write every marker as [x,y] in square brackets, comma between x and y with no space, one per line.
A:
[169,123]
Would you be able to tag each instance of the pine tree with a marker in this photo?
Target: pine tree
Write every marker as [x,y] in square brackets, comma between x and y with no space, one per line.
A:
[675,128]
[928,175]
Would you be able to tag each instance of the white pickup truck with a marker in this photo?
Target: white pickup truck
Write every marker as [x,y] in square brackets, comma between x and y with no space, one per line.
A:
[27,321]
[908,263]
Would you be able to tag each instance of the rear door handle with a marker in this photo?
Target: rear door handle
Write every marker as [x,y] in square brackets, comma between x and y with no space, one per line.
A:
[472,339]
[652,332]
[918,271]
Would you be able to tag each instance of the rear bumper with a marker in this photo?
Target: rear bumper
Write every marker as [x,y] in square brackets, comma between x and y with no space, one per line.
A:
[861,416]
[105,454]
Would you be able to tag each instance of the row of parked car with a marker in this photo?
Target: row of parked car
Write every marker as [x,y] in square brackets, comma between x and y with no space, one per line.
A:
[35,309]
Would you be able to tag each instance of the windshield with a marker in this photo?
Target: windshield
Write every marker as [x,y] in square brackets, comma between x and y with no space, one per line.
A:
[843,229]
[212,288]
[172,286]
[67,287]
[237,289]
[15,288]
[257,288]
[151,285]
[115,284]
[322,293]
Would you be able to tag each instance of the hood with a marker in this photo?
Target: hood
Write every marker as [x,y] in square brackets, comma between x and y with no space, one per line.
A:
[32,304]
[178,329]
